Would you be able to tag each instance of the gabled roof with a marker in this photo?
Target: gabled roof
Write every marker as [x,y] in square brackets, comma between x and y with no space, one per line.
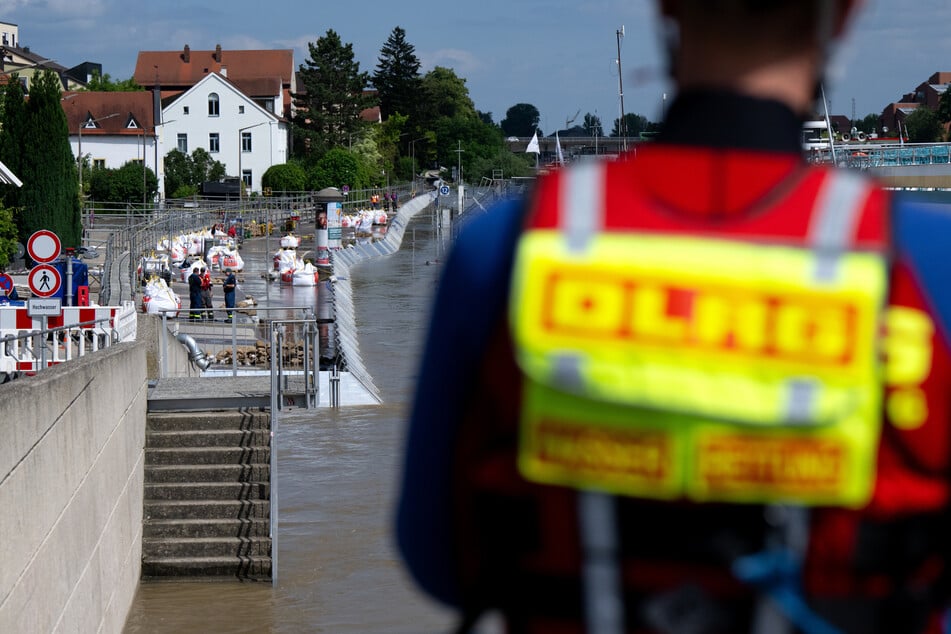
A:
[170,98]
[187,67]
[258,86]
[11,54]
[132,110]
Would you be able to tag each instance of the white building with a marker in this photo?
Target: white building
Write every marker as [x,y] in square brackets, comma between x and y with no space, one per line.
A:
[111,129]
[216,116]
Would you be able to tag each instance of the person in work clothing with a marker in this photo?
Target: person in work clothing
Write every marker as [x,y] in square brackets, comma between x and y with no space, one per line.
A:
[206,298]
[230,287]
[704,388]
[196,304]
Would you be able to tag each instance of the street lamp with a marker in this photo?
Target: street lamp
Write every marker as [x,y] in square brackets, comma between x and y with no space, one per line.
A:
[240,170]
[82,124]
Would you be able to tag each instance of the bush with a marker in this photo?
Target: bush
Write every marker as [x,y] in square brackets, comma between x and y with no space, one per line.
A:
[289,177]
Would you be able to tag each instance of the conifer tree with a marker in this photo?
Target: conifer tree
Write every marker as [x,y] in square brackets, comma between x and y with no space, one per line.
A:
[397,77]
[12,127]
[332,98]
[50,193]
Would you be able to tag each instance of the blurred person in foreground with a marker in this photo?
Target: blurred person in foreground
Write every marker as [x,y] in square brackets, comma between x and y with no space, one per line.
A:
[703,388]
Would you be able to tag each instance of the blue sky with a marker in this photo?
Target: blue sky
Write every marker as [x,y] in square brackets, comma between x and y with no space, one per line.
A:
[559,55]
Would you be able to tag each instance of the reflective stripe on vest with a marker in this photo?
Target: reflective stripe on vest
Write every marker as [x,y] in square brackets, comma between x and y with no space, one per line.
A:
[724,370]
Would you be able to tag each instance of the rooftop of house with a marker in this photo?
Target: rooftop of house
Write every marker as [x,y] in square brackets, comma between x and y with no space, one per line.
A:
[118,113]
[187,67]
[10,55]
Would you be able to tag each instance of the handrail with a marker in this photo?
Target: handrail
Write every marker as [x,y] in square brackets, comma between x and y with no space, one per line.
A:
[38,359]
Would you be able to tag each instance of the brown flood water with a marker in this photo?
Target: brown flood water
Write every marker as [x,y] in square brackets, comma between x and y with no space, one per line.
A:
[338,475]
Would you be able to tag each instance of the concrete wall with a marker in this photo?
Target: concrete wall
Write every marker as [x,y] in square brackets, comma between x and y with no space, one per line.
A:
[149,331]
[71,489]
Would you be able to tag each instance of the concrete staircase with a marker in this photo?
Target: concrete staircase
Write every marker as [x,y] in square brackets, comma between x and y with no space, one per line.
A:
[207,495]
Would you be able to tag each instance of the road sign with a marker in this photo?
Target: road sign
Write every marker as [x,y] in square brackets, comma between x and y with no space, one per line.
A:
[42,307]
[444,190]
[43,246]
[44,280]
[6,282]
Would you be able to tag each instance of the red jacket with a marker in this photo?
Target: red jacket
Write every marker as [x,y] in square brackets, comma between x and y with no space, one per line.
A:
[880,566]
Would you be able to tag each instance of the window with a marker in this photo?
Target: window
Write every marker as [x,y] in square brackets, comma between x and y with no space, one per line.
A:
[183,143]
[246,178]
[184,109]
[269,105]
[240,109]
[245,141]
[98,164]
[213,105]
[213,142]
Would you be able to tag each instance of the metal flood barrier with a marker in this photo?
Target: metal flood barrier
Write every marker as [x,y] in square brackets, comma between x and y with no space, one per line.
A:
[287,348]
[282,333]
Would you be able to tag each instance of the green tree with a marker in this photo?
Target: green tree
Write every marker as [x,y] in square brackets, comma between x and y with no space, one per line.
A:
[634,123]
[444,94]
[177,174]
[923,126]
[479,143]
[944,107]
[50,194]
[12,129]
[123,185]
[8,235]
[868,124]
[397,77]
[387,137]
[337,168]
[185,173]
[105,83]
[332,97]
[511,165]
[289,177]
[592,125]
[205,168]
[521,120]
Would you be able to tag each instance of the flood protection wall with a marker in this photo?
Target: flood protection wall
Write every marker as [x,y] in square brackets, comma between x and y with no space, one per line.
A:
[71,486]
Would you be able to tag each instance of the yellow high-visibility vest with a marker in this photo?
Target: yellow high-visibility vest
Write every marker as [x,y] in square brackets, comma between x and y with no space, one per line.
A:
[665,366]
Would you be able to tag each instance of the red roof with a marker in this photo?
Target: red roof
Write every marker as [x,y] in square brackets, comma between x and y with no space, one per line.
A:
[126,106]
[256,73]
[186,67]
[371,115]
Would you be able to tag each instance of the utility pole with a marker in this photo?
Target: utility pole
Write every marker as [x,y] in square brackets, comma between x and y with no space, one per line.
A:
[622,128]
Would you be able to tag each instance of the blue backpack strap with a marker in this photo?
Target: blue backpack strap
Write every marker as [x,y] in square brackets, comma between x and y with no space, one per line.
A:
[919,229]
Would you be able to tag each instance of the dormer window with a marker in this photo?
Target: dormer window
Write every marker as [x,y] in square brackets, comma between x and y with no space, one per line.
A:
[213,106]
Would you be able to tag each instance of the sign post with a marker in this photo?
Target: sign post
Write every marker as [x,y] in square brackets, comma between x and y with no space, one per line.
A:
[43,247]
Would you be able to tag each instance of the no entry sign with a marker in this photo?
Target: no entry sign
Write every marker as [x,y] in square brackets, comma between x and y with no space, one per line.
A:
[43,246]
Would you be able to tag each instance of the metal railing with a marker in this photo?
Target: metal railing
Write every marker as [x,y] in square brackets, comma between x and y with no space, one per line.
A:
[875,155]
[31,351]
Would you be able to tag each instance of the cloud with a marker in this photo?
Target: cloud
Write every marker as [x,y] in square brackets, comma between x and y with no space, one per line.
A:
[461,61]
[55,8]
